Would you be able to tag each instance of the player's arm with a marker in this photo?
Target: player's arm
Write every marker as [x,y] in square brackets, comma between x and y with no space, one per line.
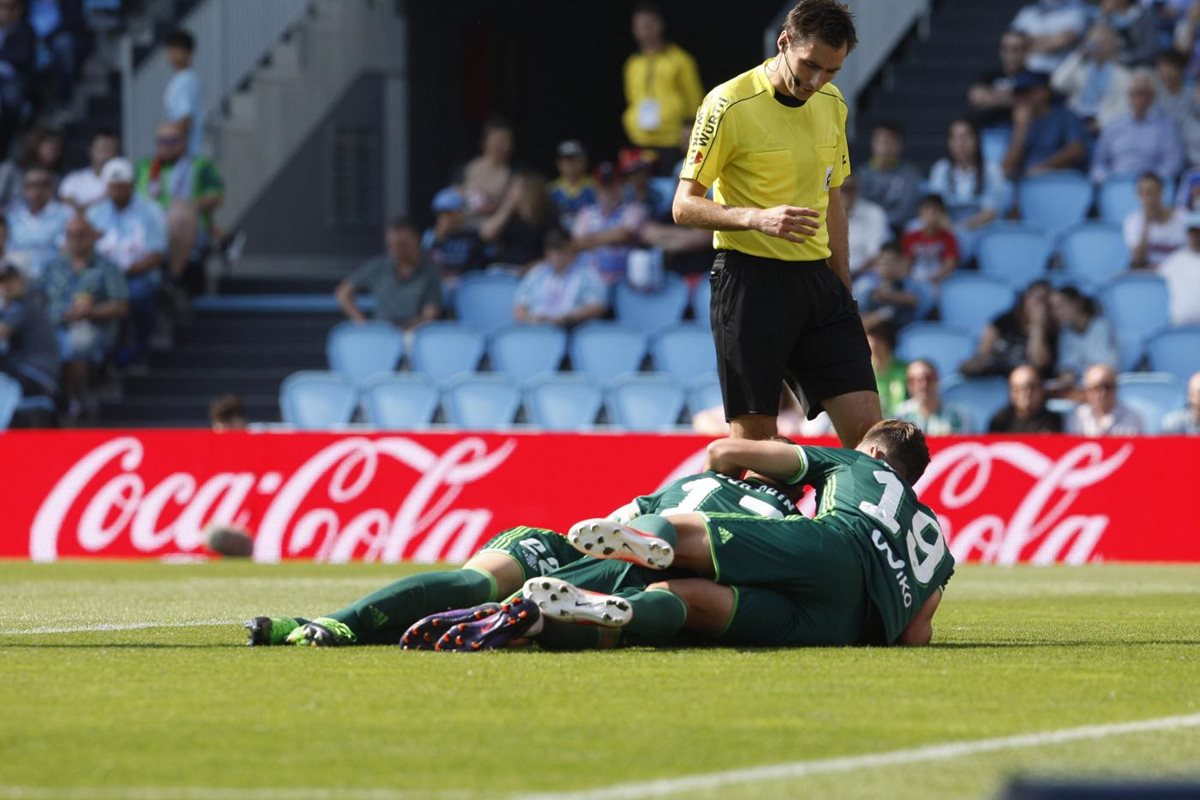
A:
[777,460]
[919,632]
[693,210]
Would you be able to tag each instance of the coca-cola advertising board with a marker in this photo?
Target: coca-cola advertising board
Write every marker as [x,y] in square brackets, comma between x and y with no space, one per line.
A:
[437,496]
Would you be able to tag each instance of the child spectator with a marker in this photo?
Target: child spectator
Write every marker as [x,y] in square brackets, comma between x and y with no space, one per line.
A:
[1026,411]
[182,101]
[1155,230]
[888,294]
[562,289]
[452,244]
[930,250]
[573,188]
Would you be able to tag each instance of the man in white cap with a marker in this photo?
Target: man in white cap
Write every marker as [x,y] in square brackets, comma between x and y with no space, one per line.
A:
[133,235]
[1181,271]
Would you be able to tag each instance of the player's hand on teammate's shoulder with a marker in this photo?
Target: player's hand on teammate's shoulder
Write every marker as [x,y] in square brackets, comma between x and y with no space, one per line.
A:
[789,222]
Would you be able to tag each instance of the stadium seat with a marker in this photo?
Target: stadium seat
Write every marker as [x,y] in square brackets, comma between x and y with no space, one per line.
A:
[10,398]
[1055,201]
[1015,253]
[665,187]
[481,402]
[644,402]
[363,350]
[564,402]
[1151,394]
[684,352]
[442,350]
[484,300]
[1117,197]
[981,398]
[312,400]
[603,350]
[701,298]
[1093,253]
[1175,350]
[970,301]
[1137,305]
[524,352]
[993,144]
[650,312]
[944,345]
[704,392]
[400,402]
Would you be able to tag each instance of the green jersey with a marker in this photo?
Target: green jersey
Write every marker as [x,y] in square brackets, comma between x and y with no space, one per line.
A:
[710,492]
[904,554]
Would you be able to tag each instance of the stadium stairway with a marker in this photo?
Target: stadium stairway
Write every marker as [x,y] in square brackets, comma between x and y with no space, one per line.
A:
[925,85]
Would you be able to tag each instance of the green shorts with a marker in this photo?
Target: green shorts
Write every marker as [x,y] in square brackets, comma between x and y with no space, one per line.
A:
[537,551]
[764,617]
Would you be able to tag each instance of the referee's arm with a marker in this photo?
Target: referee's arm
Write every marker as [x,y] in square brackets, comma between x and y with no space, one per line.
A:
[693,210]
[839,236]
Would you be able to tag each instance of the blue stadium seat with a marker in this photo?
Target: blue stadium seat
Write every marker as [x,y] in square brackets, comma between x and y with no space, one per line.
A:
[603,350]
[981,398]
[400,402]
[312,400]
[684,352]
[524,352]
[945,345]
[1151,394]
[650,312]
[1015,253]
[665,187]
[644,402]
[442,350]
[701,298]
[484,300]
[1117,197]
[564,402]
[970,301]
[481,402]
[1137,305]
[10,398]
[362,350]
[1175,350]
[704,392]
[1093,253]
[1055,201]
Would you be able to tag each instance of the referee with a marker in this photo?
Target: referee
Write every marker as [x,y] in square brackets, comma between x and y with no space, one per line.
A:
[771,144]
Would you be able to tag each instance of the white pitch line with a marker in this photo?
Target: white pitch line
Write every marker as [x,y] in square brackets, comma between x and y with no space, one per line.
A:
[216,793]
[123,626]
[800,769]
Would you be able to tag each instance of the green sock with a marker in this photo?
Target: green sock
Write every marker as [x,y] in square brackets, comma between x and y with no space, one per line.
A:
[382,616]
[658,615]
[656,525]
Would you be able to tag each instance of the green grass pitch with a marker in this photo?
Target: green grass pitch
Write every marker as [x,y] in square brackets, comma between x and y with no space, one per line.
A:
[131,680]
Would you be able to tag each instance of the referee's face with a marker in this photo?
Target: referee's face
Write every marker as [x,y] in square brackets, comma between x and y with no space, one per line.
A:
[809,64]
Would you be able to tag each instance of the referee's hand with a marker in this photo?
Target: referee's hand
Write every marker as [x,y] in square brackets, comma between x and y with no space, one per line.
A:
[789,222]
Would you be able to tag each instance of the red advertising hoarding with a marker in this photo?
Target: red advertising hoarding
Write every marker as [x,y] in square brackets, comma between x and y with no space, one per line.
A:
[437,496]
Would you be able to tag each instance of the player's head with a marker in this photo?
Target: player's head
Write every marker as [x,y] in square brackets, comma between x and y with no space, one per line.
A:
[816,38]
[901,444]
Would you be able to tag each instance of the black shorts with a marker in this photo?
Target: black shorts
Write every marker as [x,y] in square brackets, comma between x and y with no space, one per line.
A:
[785,320]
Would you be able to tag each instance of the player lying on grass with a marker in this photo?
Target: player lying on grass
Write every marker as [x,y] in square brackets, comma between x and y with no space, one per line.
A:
[501,567]
[868,569]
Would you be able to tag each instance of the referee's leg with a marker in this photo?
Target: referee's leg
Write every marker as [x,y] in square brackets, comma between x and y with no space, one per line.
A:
[852,415]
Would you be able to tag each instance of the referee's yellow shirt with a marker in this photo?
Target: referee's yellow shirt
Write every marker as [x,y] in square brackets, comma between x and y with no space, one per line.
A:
[754,151]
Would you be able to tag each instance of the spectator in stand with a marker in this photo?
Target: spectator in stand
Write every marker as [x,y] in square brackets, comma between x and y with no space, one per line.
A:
[974,192]
[1094,81]
[890,372]
[189,190]
[1024,334]
[59,26]
[133,235]
[1026,411]
[561,290]
[403,281]
[36,224]
[662,88]
[516,230]
[889,180]
[1145,139]
[1181,271]
[18,54]
[1189,132]
[30,349]
[1085,337]
[1046,135]
[930,250]
[486,177]
[87,296]
[606,232]
[888,294]
[44,148]
[991,95]
[84,187]
[637,167]
[227,413]
[1155,230]
[1186,420]
[183,98]
[924,407]
[1137,28]
[573,188]
[868,224]
[452,244]
[1100,413]
[1054,28]
[1174,92]
[1186,40]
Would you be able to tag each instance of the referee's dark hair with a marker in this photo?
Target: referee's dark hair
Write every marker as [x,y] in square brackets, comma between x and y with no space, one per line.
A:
[827,20]
[904,445]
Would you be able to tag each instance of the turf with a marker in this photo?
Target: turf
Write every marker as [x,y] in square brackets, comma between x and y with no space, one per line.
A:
[184,710]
